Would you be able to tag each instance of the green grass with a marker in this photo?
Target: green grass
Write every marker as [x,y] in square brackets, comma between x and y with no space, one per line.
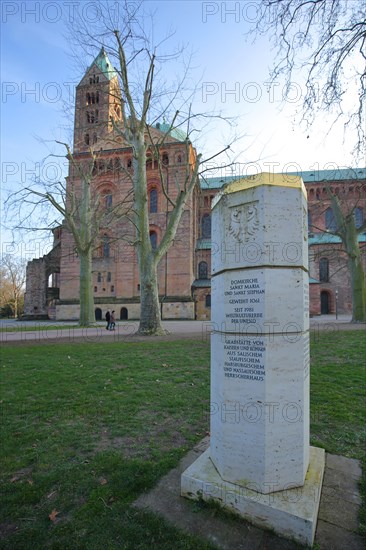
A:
[338,398]
[338,392]
[87,427]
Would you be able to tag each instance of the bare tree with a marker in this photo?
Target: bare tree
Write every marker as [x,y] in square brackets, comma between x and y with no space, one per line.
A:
[343,212]
[348,231]
[12,282]
[143,100]
[325,40]
[84,215]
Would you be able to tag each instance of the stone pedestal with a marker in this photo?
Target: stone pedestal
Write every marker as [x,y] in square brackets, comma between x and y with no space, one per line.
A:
[260,355]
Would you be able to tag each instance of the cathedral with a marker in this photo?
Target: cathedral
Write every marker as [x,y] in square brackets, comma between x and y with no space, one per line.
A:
[52,285]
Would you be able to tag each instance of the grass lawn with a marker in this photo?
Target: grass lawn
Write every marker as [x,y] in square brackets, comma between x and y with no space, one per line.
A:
[87,427]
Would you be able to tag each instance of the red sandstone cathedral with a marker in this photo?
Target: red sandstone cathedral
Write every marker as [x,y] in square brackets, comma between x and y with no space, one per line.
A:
[52,287]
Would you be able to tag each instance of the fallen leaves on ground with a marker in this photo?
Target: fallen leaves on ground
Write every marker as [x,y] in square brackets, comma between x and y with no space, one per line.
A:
[53,515]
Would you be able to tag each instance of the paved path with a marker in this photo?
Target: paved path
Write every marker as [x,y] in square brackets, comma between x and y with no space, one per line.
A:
[337,519]
[18,331]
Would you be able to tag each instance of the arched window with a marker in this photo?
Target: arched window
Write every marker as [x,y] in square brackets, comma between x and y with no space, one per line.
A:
[206,226]
[358,214]
[124,314]
[149,163]
[98,314]
[108,200]
[153,199]
[208,300]
[117,111]
[153,240]
[99,278]
[202,270]
[165,159]
[324,270]
[95,138]
[330,221]
[106,247]
[101,166]
[109,277]
[87,139]
[309,221]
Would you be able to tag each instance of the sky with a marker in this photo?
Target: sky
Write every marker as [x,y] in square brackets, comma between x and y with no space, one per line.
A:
[39,76]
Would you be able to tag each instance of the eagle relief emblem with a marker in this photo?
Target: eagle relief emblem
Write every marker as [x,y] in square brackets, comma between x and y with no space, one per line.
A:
[244,222]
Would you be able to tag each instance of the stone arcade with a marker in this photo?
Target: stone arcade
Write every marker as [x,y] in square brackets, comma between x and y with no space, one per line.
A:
[259,463]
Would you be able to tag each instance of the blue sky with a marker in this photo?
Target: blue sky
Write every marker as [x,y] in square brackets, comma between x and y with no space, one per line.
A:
[39,75]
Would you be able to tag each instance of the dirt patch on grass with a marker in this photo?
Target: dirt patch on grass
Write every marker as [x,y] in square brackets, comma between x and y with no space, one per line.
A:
[163,435]
[21,475]
[7,529]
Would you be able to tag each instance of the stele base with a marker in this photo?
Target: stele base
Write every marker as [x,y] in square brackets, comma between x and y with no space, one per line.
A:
[292,513]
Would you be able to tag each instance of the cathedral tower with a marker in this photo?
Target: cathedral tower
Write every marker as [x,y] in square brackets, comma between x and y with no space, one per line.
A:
[98,99]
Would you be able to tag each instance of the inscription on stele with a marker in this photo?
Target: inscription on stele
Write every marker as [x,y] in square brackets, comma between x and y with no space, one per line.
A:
[244,358]
[244,301]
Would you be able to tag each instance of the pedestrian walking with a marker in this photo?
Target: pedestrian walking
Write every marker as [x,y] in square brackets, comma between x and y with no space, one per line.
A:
[108,319]
[112,321]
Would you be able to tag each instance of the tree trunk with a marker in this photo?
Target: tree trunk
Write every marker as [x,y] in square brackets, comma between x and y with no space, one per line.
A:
[358,290]
[15,307]
[85,250]
[150,317]
[358,283]
[349,235]
[86,295]
[150,321]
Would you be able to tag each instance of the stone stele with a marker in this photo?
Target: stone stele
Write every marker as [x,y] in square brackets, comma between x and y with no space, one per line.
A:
[259,463]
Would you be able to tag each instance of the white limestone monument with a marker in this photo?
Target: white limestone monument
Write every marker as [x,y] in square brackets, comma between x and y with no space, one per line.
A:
[259,463]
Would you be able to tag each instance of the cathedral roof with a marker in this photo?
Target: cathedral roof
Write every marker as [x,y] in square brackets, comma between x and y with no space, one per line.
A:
[308,176]
[176,133]
[329,238]
[103,63]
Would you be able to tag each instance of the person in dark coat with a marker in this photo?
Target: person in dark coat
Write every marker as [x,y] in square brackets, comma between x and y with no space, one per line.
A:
[113,321]
[108,319]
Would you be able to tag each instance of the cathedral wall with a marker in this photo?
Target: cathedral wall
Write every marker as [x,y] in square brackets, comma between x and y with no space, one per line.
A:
[178,310]
[203,311]
[170,310]
[70,268]
[35,299]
